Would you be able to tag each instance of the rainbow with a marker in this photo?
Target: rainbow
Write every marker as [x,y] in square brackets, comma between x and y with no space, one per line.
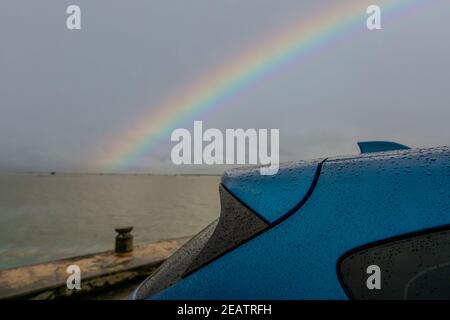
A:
[235,76]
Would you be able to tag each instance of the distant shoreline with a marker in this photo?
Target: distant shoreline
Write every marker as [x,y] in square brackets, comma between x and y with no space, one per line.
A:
[111,174]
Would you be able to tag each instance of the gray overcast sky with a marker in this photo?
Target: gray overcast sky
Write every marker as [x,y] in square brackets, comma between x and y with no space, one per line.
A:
[65,94]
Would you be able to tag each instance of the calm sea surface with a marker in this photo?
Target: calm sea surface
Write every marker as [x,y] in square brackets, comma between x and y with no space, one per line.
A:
[45,217]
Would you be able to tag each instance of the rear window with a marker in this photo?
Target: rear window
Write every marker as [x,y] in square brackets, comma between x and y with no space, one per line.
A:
[414,267]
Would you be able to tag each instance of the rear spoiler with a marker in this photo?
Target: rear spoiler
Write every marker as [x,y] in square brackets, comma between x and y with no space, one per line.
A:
[380,146]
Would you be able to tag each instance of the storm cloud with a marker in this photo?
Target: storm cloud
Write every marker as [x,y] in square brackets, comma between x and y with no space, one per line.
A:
[65,96]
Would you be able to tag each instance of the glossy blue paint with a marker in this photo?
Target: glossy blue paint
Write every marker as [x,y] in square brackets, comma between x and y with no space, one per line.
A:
[271,197]
[380,146]
[356,201]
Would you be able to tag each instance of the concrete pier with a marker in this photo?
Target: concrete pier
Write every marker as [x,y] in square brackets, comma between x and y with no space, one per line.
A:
[100,273]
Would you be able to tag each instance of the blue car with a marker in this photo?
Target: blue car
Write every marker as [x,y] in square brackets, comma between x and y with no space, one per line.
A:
[369,226]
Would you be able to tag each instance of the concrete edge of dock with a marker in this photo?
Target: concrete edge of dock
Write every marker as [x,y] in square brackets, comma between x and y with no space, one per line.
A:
[100,273]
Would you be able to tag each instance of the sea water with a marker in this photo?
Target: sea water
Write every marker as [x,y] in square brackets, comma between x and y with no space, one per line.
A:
[45,217]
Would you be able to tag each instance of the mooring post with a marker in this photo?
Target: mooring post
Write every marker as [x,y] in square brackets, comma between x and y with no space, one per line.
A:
[124,240]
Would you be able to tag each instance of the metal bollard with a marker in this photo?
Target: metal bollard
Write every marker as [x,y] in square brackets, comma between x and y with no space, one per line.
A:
[124,240]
